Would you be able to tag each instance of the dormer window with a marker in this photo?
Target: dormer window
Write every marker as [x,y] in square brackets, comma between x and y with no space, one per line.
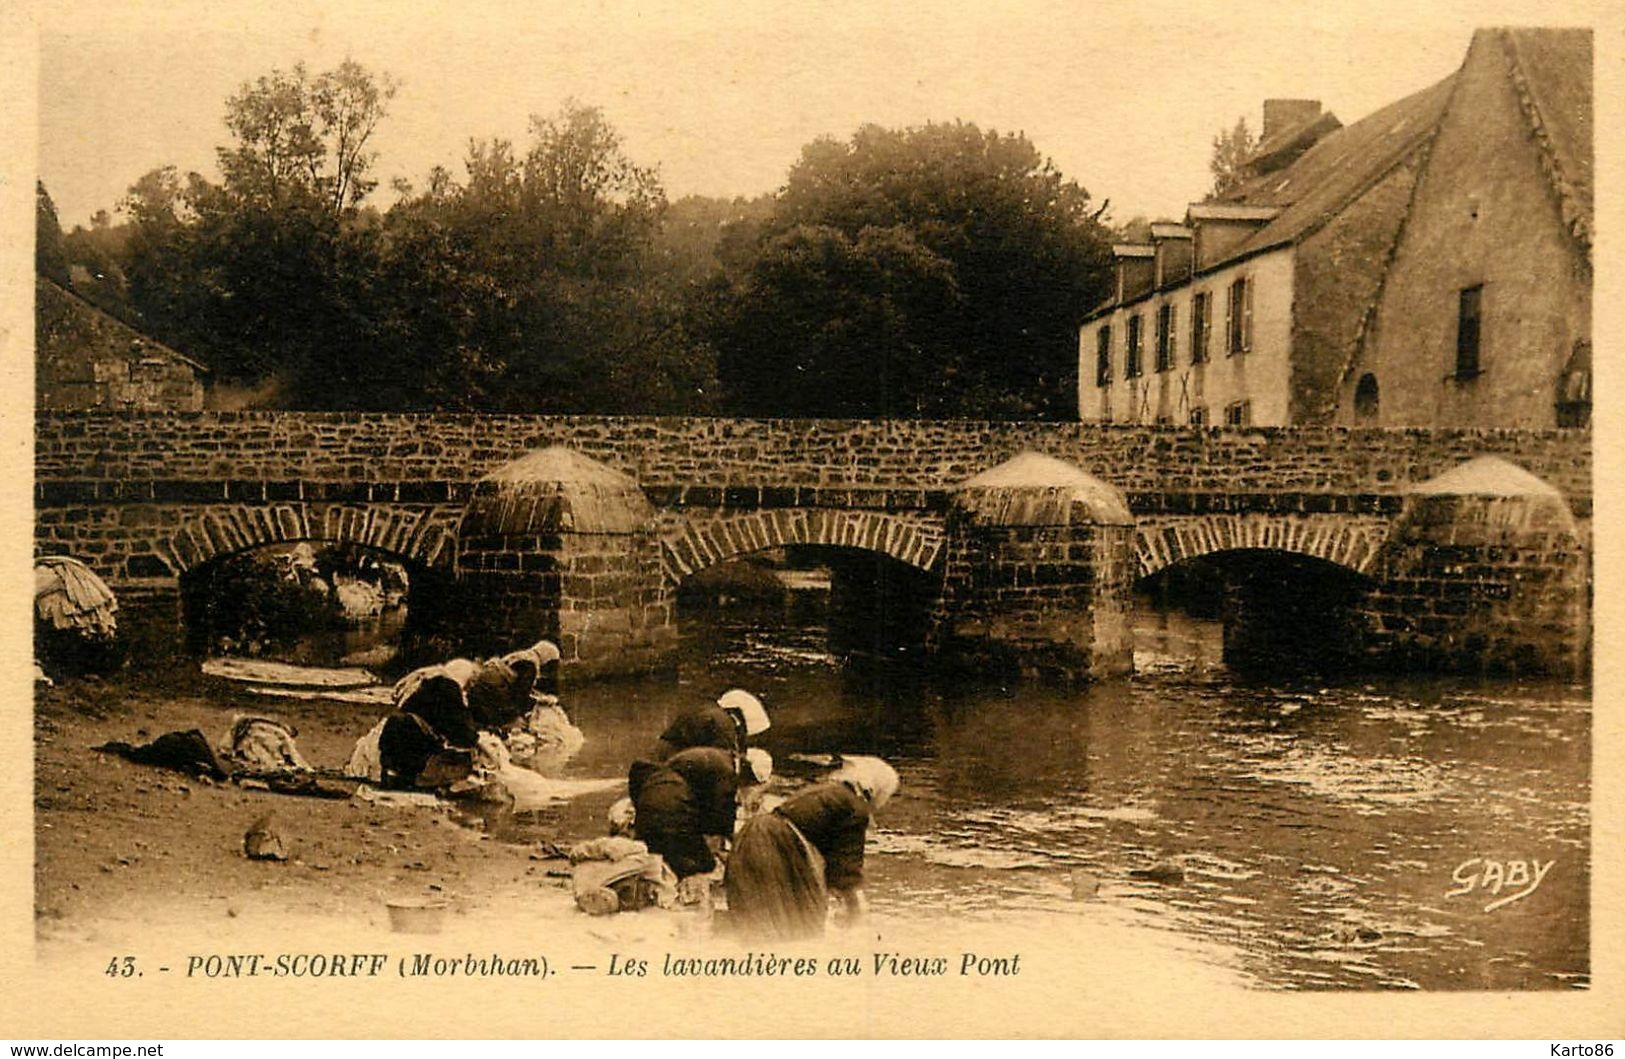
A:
[1136,265]
[1219,228]
[1174,246]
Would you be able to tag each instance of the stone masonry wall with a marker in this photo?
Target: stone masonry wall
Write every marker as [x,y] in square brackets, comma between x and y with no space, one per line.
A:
[1470,583]
[143,497]
[600,597]
[617,613]
[510,590]
[1046,601]
[744,464]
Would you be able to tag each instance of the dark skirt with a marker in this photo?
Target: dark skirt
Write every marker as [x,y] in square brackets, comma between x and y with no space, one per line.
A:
[775,882]
[683,848]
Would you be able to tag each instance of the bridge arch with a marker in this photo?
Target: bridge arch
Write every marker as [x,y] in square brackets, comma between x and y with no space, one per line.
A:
[421,536]
[698,545]
[1348,541]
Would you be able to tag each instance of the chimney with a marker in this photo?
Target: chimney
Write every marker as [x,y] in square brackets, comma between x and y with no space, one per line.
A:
[1283,114]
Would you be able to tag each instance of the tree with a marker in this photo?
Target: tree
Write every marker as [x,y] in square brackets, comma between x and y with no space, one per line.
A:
[49,258]
[1136,229]
[158,264]
[850,331]
[99,250]
[539,271]
[951,263]
[531,284]
[702,238]
[303,136]
[1230,153]
[264,273]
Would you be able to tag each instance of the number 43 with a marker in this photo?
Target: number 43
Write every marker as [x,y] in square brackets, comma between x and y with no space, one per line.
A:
[121,967]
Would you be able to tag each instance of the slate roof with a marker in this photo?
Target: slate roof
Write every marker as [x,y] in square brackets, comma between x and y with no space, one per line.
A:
[66,321]
[1339,168]
[1551,70]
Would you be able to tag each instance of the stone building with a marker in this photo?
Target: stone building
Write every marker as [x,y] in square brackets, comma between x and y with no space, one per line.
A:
[87,359]
[1428,265]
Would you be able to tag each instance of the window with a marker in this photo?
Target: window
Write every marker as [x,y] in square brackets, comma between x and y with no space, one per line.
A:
[1239,337]
[1167,321]
[1574,387]
[1165,421]
[1131,360]
[1468,317]
[1199,416]
[1365,399]
[1238,414]
[1201,326]
[1103,355]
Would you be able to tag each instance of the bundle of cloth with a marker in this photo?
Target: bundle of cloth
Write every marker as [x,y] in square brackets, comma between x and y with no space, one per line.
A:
[255,750]
[615,874]
[68,595]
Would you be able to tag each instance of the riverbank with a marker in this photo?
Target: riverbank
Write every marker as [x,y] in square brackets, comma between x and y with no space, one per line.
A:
[109,830]
[139,860]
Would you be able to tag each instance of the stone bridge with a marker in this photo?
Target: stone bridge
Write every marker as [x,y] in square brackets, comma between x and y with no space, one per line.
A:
[1019,542]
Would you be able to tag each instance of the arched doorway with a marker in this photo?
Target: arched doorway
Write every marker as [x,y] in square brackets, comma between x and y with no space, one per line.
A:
[1365,399]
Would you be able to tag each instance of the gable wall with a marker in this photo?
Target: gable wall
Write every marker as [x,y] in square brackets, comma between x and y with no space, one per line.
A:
[1483,214]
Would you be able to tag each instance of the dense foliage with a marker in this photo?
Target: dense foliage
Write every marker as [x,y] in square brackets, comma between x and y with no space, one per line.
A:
[254,603]
[936,271]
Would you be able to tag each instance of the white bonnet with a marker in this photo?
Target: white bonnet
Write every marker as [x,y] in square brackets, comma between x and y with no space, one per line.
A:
[747,706]
[869,776]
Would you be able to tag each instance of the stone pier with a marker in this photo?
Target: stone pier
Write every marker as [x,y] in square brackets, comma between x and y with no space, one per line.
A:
[556,545]
[1483,571]
[1040,569]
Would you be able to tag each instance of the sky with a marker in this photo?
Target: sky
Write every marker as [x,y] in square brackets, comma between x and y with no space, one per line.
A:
[1125,98]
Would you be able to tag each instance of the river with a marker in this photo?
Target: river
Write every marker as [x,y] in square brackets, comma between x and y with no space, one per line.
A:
[1364,834]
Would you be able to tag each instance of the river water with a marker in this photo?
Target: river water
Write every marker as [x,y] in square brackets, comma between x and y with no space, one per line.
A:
[1365,834]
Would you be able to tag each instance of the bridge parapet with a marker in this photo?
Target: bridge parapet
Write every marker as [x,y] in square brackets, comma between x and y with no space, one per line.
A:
[878,464]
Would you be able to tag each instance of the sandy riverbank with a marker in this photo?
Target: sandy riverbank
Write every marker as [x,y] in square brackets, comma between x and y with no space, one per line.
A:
[136,860]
